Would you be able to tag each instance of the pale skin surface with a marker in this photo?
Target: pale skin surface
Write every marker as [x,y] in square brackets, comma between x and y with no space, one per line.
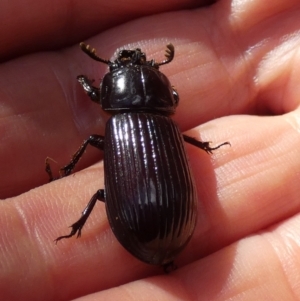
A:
[234,57]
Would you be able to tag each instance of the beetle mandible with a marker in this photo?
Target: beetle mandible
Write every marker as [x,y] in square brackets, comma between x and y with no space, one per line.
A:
[149,195]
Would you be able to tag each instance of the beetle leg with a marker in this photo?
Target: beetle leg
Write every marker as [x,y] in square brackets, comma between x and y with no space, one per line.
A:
[48,169]
[77,226]
[91,91]
[203,145]
[94,140]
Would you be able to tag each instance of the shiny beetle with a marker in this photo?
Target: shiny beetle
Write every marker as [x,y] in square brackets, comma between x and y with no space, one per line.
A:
[150,197]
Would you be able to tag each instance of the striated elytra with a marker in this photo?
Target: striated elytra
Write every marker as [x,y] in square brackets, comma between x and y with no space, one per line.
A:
[150,196]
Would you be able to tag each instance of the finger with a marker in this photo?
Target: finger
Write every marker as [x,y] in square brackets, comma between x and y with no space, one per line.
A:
[260,267]
[235,65]
[250,185]
[239,194]
[196,96]
[31,261]
[38,120]
[55,113]
[46,25]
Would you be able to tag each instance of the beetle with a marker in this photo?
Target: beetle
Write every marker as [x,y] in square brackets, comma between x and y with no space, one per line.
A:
[150,195]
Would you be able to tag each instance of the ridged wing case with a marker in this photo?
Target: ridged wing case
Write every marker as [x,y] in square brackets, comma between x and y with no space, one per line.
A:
[151,200]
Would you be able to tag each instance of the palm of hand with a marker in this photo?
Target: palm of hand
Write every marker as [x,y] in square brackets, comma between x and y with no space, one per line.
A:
[232,58]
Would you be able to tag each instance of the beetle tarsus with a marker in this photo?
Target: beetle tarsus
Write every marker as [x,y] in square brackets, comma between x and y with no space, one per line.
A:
[77,226]
[204,145]
[91,91]
[210,149]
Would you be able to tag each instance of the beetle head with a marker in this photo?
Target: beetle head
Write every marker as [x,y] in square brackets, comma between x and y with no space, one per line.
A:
[131,58]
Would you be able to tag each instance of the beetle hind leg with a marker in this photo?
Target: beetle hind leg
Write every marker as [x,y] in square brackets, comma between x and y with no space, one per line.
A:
[203,144]
[77,226]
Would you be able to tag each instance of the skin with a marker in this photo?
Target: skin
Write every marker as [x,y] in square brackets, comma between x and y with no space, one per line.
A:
[238,60]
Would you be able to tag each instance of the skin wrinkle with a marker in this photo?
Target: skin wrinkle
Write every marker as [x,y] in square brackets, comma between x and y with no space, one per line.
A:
[223,66]
[27,232]
[292,253]
[252,285]
[247,57]
[287,80]
[270,57]
[293,120]
[69,98]
[22,218]
[269,240]
[290,246]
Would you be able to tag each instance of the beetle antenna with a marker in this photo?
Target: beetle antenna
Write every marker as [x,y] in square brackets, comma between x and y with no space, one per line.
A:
[170,52]
[91,52]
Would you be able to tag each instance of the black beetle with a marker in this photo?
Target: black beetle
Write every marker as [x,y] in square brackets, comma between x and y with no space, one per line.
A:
[150,197]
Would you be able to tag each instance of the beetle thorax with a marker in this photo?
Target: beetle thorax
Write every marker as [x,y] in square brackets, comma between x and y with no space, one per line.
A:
[137,87]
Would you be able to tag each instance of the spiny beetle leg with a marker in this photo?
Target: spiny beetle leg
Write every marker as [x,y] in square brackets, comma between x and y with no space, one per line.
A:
[90,90]
[203,145]
[94,140]
[77,226]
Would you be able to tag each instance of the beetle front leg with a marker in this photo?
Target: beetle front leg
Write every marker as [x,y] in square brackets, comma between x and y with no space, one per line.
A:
[203,145]
[94,140]
[77,226]
[92,91]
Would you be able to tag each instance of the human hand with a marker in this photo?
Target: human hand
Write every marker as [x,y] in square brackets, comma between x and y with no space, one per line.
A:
[232,58]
